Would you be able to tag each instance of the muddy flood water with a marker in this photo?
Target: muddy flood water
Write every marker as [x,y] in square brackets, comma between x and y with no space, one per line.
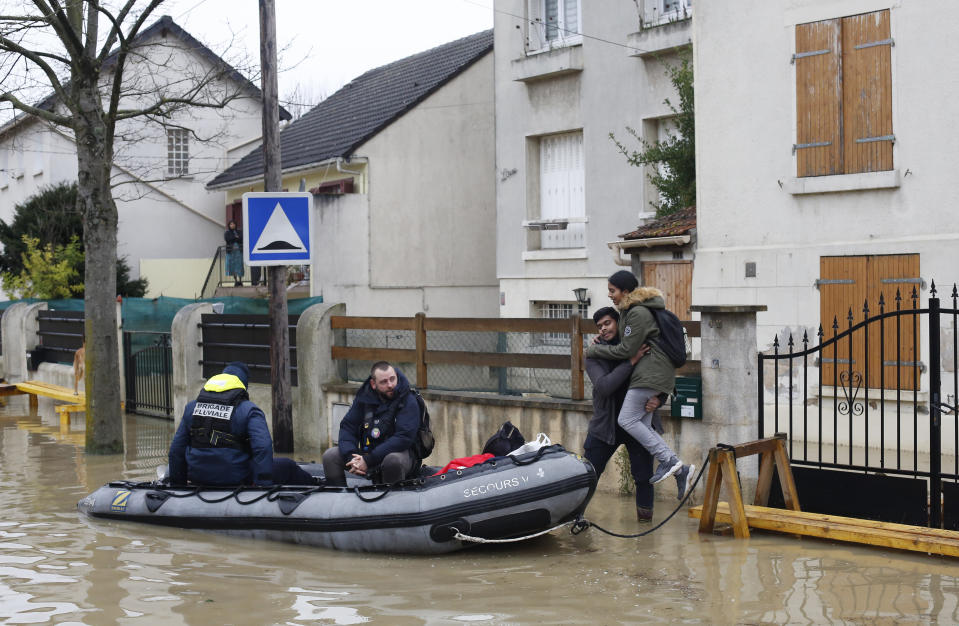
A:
[57,567]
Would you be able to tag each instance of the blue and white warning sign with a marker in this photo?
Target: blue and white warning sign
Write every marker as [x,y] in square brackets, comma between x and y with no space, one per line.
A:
[279,229]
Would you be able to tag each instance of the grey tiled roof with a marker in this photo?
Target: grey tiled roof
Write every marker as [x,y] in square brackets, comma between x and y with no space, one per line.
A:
[363,107]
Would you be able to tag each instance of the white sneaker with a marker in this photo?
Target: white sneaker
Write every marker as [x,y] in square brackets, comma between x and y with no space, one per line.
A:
[665,470]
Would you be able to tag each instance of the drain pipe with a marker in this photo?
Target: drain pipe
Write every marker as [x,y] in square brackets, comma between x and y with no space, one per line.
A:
[343,170]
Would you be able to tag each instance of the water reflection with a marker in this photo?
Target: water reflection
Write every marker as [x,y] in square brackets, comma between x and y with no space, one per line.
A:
[56,566]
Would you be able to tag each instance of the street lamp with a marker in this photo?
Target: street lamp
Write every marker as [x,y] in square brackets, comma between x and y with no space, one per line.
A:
[580,293]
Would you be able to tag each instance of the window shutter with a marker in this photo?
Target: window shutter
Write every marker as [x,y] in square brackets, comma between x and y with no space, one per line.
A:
[535,28]
[867,92]
[570,19]
[818,99]
[562,188]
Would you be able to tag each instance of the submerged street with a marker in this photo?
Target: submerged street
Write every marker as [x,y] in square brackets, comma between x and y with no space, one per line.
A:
[57,567]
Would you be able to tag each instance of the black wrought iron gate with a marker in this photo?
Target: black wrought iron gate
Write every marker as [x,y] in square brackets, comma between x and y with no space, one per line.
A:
[851,403]
[148,362]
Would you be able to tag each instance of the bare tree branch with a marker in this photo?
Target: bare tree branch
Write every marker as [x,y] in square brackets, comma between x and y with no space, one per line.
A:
[116,33]
[38,60]
[41,113]
[61,25]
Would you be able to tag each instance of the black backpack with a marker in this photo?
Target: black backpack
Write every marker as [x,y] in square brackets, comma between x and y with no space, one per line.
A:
[424,440]
[504,440]
[672,336]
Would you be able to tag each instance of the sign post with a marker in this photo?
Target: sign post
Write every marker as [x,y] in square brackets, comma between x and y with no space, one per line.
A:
[279,232]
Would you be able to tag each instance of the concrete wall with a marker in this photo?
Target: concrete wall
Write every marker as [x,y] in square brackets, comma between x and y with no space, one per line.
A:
[19,333]
[462,421]
[593,87]
[750,208]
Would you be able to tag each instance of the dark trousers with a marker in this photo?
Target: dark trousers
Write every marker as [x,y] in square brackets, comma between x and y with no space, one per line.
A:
[255,275]
[287,472]
[395,467]
[598,452]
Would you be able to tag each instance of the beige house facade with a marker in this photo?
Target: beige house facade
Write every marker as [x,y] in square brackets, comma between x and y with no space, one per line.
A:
[400,161]
[568,73]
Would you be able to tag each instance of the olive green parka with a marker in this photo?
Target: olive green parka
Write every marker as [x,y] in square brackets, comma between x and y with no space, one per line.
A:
[636,327]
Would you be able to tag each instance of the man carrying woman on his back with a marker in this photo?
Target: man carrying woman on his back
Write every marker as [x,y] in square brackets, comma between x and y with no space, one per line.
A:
[652,374]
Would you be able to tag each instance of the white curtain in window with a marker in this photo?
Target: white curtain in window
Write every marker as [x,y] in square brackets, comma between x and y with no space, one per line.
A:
[562,188]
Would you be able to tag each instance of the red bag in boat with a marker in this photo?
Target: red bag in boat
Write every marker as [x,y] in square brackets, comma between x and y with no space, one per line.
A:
[464,462]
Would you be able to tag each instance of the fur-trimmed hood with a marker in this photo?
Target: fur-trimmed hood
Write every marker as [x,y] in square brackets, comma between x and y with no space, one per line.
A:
[648,296]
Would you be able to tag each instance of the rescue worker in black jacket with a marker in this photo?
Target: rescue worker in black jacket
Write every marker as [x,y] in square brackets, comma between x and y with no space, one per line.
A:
[223,439]
[377,433]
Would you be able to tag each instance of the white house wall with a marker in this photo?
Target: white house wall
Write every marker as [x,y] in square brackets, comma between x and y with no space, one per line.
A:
[431,226]
[612,91]
[745,129]
[159,217]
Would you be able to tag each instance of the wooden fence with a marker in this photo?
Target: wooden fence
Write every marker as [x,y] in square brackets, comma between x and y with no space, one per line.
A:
[421,325]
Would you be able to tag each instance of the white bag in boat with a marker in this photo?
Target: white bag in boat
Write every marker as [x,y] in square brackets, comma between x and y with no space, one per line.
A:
[541,441]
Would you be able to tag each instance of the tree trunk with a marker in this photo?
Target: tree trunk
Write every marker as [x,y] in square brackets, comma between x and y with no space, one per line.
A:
[95,199]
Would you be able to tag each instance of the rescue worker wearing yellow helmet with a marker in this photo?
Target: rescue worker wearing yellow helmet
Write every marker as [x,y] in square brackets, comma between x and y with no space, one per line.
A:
[223,439]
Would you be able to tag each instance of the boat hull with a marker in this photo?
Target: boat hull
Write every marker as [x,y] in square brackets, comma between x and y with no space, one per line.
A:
[506,498]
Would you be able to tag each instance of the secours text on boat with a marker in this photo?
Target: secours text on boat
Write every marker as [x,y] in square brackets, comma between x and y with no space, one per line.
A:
[505,497]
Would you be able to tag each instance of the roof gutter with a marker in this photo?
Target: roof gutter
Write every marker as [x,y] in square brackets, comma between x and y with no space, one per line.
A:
[231,184]
[617,247]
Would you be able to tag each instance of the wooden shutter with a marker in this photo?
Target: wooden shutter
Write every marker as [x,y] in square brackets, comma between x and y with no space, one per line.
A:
[675,280]
[842,286]
[818,99]
[867,92]
[886,274]
[847,282]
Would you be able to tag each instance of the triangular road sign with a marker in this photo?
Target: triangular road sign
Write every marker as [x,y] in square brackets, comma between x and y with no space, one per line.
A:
[278,228]
[278,235]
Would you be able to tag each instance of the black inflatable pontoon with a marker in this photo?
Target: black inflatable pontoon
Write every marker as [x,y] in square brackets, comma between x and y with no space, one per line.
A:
[506,497]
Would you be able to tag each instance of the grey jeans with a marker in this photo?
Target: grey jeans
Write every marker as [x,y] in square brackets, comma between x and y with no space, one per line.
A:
[394,468]
[634,419]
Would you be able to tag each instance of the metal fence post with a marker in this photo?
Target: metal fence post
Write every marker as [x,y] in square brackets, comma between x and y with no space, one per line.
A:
[762,395]
[577,386]
[419,326]
[131,373]
[935,416]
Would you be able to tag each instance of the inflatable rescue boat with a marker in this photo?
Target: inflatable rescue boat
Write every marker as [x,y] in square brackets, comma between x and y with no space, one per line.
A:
[503,498]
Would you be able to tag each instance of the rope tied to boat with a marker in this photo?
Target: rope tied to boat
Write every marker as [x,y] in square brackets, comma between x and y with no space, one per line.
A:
[583,524]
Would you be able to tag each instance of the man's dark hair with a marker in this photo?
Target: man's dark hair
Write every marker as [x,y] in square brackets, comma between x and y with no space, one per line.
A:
[379,365]
[603,312]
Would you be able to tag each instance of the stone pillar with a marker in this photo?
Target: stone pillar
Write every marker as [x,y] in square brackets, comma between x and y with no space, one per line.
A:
[186,336]
[19,327]
[315,366]
[730,392]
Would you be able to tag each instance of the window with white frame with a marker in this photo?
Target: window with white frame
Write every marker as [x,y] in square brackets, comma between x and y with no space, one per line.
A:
[562,189]
[665,128]
[178,151]
[663,11]
[553,23]
[558,311]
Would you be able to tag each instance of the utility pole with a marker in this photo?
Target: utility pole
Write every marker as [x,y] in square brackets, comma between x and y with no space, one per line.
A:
[273,181]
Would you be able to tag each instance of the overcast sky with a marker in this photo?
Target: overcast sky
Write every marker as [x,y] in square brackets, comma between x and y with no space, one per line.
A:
[327,43]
